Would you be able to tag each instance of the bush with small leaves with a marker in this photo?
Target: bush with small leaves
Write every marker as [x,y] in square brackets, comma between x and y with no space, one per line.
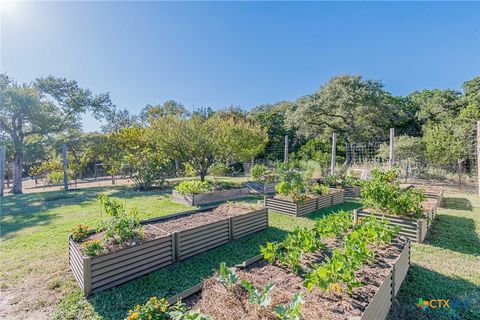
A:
[79,233]
[193,187]
[93,247]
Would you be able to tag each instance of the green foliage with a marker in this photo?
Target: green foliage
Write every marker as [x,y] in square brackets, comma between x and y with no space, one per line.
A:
[155,309]
[201,141]
[55,177]
[261,174]
[355,107]
[271,251]
[120,225]
[260,298]
[382,192]
[193,187]
[219,169]
[292,310]
[291,184]
[227,276]
[318,189]
[93,247]
[79,233]
[341,266]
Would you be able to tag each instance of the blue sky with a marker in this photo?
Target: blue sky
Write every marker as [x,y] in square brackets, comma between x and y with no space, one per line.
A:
[245,54]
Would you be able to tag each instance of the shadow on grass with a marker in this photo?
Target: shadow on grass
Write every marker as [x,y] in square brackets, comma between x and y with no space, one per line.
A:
[454,233]
[34,209]
[28,210]
[457,204]
[115,303]
[428,284]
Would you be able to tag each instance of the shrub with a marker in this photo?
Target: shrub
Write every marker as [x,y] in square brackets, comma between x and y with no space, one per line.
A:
[93,247]
[55,177]
[147,169]
[384,193]
[219,169]
[120,225]
[291,185]
[79,233]
[155,309]
[318,189]
[193,187]
[261,174]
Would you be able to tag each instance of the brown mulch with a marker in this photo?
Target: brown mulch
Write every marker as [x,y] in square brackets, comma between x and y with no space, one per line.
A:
[219,303]
[155,230]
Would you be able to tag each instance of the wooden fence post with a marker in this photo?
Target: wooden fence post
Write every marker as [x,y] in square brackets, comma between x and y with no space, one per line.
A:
[334,153]
[65,176]
[285,151]
[2,169]
[391,160]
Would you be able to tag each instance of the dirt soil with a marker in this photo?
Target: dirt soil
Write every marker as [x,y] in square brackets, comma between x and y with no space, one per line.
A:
[225,211]
[220,303]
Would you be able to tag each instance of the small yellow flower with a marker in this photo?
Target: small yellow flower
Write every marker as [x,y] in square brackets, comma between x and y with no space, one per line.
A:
[133,316]
[163,308]
[138,307]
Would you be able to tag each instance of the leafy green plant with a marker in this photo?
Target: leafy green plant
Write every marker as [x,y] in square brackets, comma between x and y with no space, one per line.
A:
[291,185]
[261,174]
[292,310]
[290,258]
[318,189]
[119,225]
[383,193]
[227,276]
[159,309]
[262,299]
[79,233]
[219,169]
[341,266]
[271,251]
[93,247]
[193,187]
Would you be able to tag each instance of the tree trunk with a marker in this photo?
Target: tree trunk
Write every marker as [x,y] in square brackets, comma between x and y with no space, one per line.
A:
[203,174]
[113,178]
[17,172]
[407,167]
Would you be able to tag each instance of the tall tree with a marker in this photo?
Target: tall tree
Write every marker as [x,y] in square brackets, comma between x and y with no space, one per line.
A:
[118,119]
[48,105]
[435,105]
[355,108]
[167,109]
[201,142]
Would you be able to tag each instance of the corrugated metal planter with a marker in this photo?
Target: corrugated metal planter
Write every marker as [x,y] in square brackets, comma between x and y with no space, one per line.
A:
[211,197]
[263,188]
[299,208]
[352,191]
[377,309]
[98,273]
[414,229]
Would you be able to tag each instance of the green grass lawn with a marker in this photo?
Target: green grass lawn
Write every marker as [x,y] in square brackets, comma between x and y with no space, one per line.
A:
[36,281]
[446,265]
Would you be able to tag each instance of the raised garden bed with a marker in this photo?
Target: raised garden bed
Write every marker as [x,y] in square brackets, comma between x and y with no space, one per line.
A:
[352,191]
[376,297]
[301,208]
[413,229]
[263,188]
[210,197]
[170,239]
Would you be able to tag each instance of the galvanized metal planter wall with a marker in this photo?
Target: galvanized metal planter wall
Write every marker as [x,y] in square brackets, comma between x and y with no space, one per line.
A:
[413,229]
[380,305]
[98,273]
[352,191]
[301,208]
[211,197]
[377,309]
[262,188]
